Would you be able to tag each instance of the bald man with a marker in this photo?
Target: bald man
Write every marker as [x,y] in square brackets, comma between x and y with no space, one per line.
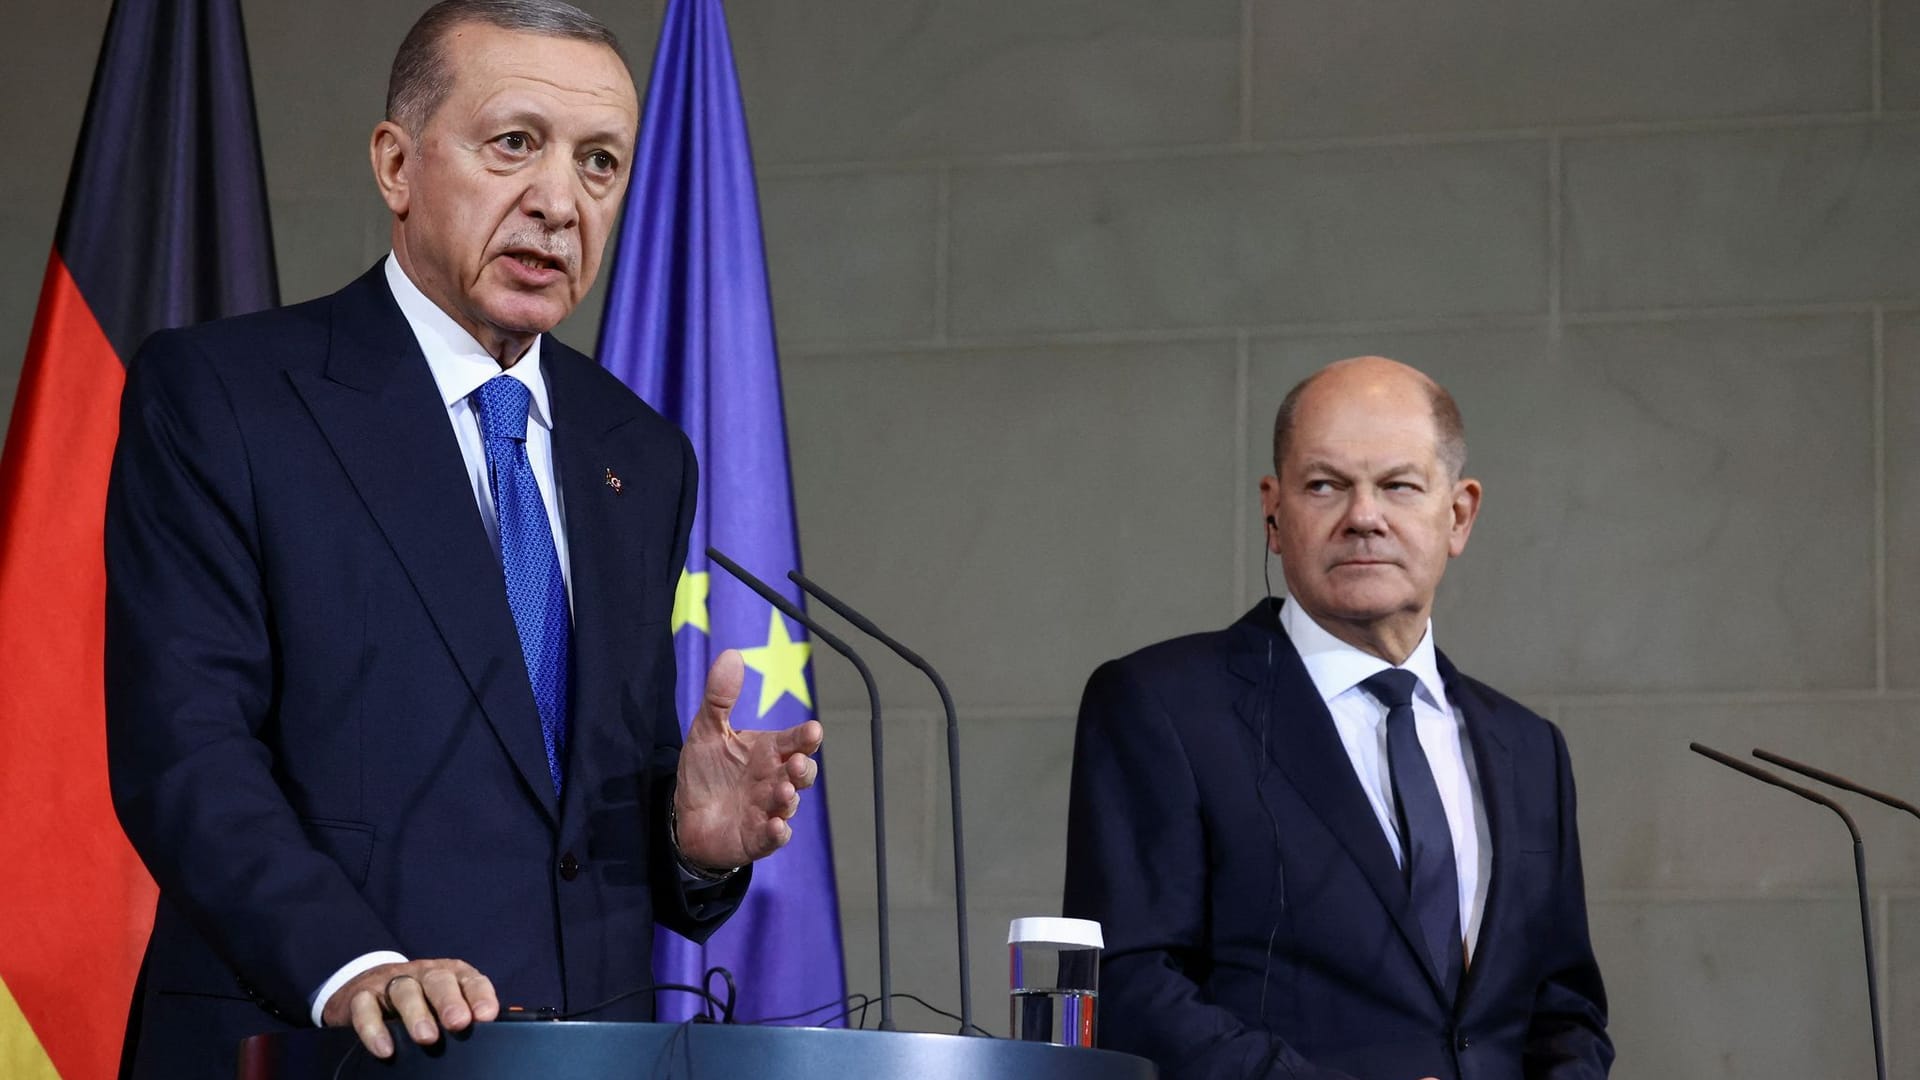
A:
[1317,849]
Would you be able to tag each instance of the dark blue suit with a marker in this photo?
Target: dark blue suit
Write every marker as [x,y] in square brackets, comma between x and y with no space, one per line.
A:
[322,736]
[1215,810]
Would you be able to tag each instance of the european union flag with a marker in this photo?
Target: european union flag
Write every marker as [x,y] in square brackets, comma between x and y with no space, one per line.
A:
[689,326]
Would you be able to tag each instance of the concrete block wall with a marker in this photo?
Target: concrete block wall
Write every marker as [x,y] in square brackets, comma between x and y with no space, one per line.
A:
[1043,268]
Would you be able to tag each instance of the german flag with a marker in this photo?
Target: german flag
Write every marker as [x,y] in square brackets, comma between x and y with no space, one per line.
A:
[164,224]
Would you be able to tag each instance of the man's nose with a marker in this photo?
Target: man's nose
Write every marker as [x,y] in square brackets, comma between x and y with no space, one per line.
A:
[552,195]
[1363,511]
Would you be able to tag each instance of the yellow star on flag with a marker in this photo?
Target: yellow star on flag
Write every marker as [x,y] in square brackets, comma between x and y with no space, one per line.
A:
[782,664]
[690,601]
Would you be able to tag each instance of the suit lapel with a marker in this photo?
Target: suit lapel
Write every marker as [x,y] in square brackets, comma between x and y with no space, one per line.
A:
[380,410]
[608,582]
[1493,761]
[1302,742]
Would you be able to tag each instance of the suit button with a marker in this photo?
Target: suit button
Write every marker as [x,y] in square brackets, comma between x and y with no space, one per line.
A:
[569,867]
[1462,1043]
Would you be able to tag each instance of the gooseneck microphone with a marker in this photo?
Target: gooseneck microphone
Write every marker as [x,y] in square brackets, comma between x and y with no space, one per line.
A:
[792,611]
[1859,875]
[1840,782]
[867,626]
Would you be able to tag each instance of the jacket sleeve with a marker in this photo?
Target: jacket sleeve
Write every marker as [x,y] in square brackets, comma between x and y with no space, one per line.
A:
[191,687]
[692,909]
[1137,861]
[1567,1035]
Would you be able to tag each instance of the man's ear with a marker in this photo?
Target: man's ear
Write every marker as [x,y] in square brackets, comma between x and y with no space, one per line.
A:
[1466,507]
[391,153]
[1270,511]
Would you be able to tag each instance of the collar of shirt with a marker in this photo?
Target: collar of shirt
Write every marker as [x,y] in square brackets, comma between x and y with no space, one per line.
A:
[1337,667]
[458,362]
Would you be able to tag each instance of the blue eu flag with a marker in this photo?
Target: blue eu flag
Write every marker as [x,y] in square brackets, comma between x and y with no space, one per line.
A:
[689,326]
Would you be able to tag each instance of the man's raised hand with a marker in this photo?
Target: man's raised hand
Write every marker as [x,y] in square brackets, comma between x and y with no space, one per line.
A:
[737,789]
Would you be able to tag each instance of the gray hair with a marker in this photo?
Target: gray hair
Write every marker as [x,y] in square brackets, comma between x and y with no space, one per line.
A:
[420,80]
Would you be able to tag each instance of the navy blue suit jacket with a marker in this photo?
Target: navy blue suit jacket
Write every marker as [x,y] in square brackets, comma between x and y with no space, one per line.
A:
[321,733]
[1256,922]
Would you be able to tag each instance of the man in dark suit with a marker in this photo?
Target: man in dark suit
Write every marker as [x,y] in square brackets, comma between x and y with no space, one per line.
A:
[1316,848]
[390,680]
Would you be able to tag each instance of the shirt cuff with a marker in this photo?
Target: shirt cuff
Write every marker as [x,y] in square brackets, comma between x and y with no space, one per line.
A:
[348,972]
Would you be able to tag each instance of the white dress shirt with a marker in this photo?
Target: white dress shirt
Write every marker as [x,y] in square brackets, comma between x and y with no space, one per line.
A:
[459,367]
[1337,669]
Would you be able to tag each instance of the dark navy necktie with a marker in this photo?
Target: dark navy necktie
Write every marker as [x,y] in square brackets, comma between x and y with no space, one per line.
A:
[535,590]
[1433,881]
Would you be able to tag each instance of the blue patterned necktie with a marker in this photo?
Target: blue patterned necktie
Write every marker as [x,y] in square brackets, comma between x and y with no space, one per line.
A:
[535,590]
[1433,880]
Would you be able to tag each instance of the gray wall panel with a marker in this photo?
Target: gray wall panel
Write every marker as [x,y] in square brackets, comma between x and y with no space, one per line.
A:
[950,488]
[920,857]
[1727,990]
[886,79]
[1900,52]
[1658,819]
[1900,995]
[1250,239]
[851,257]
[48,72]
[20,299]
[1325,67]
[1902,421]
[1787,215]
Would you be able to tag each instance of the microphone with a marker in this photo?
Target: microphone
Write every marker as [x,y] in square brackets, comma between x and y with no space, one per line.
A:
[1840,782]
[792,611]
[1859,876]
[867,626]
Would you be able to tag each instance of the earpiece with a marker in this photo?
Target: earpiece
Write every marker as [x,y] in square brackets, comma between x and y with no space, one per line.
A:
[1277,889]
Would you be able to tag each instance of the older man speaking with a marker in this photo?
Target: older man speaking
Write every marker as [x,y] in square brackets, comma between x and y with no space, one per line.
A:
[390,682]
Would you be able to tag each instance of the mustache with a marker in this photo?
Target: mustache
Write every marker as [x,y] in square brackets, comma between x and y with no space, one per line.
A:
[554,246]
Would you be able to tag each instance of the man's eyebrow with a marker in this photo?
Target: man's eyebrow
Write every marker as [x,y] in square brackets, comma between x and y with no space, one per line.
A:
[608,137]
[521,116]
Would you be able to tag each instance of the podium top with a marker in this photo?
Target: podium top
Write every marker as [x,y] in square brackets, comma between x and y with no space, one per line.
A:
[565,1050]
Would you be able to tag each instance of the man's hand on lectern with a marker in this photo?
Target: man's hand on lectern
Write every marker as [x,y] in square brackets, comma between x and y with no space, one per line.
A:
[425,994]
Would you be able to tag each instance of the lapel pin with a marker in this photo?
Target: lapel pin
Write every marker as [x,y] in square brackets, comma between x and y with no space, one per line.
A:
[613,481]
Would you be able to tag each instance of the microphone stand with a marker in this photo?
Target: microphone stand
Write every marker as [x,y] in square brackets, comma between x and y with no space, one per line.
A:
[866,626]
[1859,875]
[792,611]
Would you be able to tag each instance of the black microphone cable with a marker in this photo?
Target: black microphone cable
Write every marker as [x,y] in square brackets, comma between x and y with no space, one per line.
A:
[1277,889]
[709,1001]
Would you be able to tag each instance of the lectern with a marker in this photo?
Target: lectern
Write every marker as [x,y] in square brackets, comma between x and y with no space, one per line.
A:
[587,1051]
